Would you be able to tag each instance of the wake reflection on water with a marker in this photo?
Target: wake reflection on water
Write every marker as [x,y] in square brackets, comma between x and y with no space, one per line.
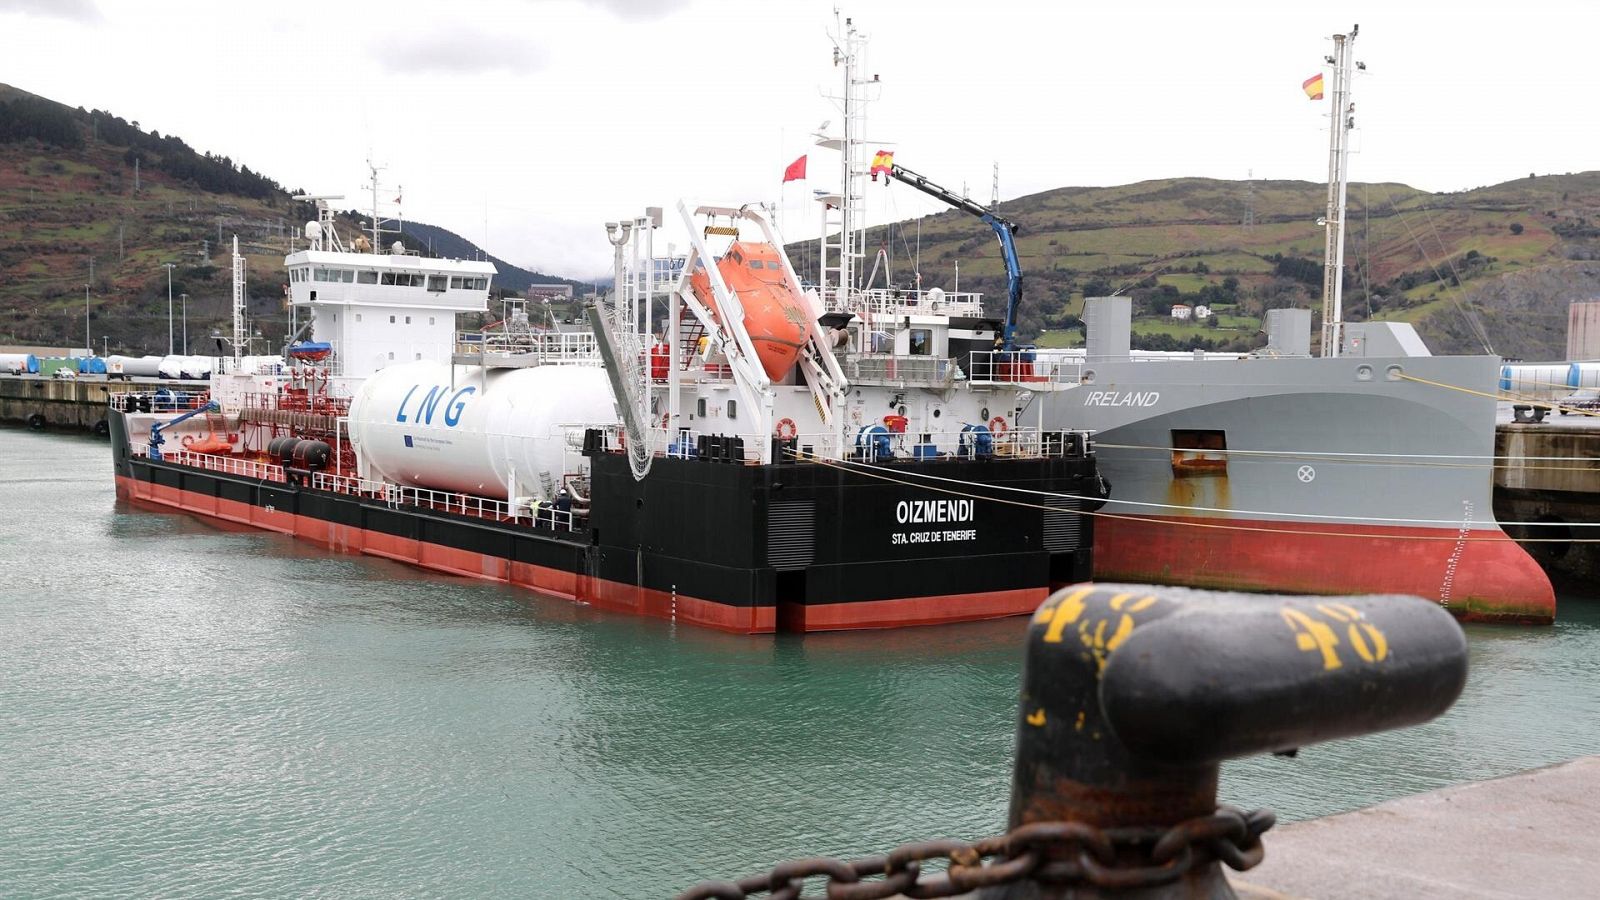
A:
[191,710]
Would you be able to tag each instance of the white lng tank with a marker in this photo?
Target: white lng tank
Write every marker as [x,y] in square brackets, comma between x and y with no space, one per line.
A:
[488,432]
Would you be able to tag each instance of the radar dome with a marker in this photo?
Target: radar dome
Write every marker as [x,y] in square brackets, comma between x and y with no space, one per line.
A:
[936,295]
[313,231]
[397,247]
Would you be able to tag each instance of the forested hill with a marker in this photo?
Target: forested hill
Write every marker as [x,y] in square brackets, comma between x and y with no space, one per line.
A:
[437,241]
[91,203]
[1500,262]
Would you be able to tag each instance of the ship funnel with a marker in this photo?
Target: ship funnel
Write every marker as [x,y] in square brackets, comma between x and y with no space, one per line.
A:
[1288,332]
[1110,321]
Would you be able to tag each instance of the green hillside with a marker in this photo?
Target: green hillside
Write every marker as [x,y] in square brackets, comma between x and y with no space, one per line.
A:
[1508,257]
[1501,261]
[79,185]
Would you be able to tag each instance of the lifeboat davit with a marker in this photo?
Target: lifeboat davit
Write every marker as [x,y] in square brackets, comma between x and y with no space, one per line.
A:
[776,317]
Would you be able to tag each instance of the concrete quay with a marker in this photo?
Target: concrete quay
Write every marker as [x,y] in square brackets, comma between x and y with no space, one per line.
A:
[70,404]
[1533,834]
[1549,473]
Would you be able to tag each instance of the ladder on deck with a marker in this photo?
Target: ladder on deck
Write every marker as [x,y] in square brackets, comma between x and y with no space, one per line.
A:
[690,331]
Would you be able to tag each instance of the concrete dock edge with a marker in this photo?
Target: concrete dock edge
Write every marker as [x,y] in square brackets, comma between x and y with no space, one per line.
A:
[1532,834]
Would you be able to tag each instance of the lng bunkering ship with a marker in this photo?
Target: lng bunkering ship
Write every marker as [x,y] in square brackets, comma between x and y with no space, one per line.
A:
[728,473]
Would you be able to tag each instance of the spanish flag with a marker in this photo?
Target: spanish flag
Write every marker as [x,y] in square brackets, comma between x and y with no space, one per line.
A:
[1313,86]
[883,162]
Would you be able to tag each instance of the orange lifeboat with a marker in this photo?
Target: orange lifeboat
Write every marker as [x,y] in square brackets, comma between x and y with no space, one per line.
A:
[776,317]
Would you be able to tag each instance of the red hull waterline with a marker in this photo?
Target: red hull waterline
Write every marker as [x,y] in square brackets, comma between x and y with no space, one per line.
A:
[598,592]
[1479,575]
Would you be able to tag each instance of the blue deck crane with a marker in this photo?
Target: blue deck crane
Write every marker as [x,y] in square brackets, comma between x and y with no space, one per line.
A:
[1004,229]
[155,429]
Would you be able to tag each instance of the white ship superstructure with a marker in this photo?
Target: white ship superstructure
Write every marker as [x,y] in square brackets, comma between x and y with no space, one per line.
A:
[375,309]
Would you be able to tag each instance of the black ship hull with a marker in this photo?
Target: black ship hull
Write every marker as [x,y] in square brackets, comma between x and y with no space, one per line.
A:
[741,548]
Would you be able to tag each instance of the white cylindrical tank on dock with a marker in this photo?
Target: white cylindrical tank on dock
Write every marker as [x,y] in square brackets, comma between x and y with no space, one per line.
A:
[19,363]
[141,366]
[1544,380]
[251,365]
[197,367]
[1583,375]
[413,424]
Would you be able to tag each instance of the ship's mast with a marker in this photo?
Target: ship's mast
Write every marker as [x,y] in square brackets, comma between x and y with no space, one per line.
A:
[378,223]
[238,304]
[841,242]
[1342,119]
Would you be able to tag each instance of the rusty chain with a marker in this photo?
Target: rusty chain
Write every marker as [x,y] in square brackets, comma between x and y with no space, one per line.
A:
[1057,853]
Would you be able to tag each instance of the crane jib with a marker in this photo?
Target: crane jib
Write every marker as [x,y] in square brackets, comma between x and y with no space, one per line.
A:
[1004,230]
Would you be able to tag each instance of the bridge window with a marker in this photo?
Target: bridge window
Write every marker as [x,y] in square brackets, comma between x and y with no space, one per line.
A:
[921,342]
[366,276]
[437,282]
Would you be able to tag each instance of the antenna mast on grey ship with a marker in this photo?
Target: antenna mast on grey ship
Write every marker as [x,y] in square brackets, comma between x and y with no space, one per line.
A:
[1342,119]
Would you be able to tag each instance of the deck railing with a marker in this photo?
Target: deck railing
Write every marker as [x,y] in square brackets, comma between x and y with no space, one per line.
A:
[881,303]
[1024,367]
[918,371]
[540,515]
[548,347]
[963,442]
[228,465]
[158,401]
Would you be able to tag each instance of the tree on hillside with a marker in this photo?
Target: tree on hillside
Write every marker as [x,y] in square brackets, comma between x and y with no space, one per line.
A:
[40,120]
[1097,287]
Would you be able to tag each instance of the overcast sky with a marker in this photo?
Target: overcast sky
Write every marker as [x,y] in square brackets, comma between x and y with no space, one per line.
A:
[526,124]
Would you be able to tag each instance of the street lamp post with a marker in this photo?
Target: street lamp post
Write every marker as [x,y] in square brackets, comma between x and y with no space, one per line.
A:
[86,342]
[169,267]
[186,324]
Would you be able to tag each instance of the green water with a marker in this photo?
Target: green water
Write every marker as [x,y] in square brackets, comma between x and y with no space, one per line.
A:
[191,712]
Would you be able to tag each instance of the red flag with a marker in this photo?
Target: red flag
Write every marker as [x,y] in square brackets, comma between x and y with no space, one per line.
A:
[796,170]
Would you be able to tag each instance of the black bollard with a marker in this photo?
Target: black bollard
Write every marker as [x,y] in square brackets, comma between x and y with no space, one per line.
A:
[1132,695]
